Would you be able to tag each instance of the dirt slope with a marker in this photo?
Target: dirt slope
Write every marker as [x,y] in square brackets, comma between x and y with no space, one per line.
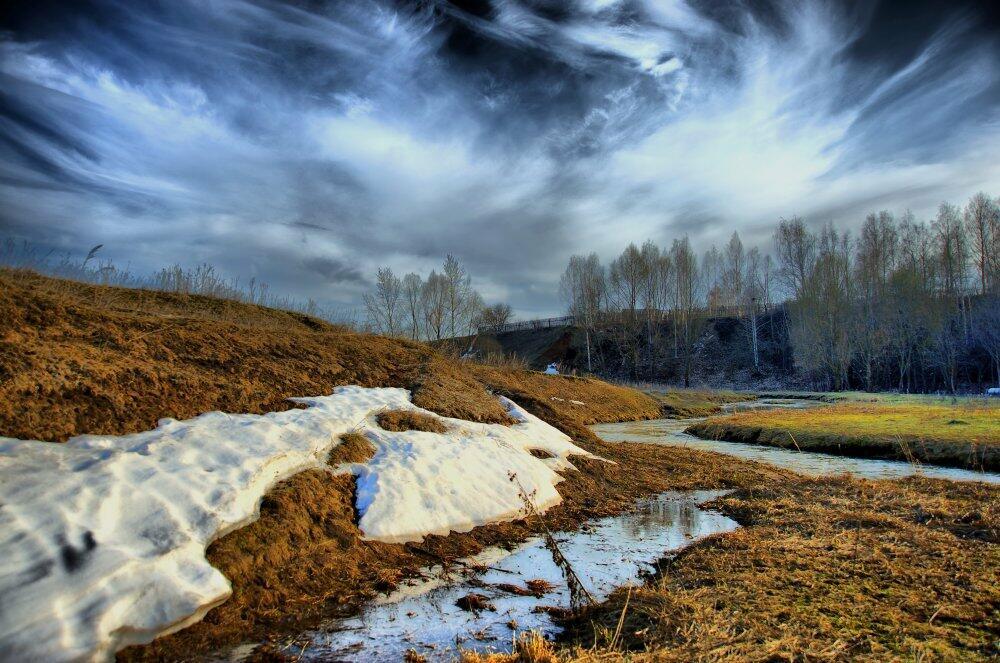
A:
[76,358]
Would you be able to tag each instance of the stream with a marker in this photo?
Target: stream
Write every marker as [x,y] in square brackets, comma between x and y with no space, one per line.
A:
[423,614]
[670,432]
[605,554]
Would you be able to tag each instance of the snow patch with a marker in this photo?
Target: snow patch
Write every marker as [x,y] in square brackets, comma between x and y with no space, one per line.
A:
[103,538]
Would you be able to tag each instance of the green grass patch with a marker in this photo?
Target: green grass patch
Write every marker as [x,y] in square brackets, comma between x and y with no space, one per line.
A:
[885,398]
[966,434]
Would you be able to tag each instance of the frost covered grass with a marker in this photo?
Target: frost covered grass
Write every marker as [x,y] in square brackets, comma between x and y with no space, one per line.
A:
[964,435]
[104,537]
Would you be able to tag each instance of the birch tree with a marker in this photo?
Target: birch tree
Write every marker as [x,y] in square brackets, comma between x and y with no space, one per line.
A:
[384,304]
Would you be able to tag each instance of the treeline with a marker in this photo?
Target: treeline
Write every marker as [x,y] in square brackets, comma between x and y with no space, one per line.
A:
[444,305]
[905,304]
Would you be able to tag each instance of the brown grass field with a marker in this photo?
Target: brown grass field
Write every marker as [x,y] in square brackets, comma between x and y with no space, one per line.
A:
[962,435]
[823,569]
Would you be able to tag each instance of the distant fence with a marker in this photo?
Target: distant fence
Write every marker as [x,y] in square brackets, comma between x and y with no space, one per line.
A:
[541,323]
[607,317]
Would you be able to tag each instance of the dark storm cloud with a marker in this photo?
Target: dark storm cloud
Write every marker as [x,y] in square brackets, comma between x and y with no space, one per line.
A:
[334,271]
[306,143]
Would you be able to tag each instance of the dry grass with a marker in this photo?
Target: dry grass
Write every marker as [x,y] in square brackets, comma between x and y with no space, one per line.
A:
[77,358]
[679,403]
[353,448]
[966,435]
[596,401]
[825,570]
[404,420]
[528,648]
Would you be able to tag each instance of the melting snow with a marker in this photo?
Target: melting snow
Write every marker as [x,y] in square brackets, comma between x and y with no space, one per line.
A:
[103,538]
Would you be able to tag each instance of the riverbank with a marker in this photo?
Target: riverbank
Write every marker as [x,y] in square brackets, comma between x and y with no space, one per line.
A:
[961,435]
[688,403]
[827,569]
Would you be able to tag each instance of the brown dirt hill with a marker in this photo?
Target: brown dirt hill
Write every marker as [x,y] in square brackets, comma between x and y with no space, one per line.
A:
[78,358]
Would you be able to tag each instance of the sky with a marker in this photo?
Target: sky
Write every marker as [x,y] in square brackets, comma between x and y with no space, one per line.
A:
[307,143]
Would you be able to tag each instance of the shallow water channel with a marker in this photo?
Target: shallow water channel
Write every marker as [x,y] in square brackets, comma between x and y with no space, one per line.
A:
[605,554]
[670,432]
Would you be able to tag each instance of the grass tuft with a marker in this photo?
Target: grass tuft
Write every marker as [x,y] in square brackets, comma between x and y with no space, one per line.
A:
[404,420]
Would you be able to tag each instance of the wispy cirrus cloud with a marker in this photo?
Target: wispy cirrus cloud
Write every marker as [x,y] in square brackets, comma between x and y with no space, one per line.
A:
[306,145]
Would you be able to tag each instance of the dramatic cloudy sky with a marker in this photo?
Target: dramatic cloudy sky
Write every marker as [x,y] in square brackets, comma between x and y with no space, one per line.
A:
[305,143]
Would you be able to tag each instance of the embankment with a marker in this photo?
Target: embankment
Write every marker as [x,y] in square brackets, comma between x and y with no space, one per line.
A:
[964,435]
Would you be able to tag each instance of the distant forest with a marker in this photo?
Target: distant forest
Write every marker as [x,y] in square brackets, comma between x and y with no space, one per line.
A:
[904,305]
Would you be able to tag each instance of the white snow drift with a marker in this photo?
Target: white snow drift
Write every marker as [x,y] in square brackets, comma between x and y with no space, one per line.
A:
[102,539]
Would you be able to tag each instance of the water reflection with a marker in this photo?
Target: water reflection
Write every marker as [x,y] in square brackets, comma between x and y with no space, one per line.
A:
[609,553]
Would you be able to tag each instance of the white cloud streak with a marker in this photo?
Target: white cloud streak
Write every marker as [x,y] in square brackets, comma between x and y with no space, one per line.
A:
[362,136]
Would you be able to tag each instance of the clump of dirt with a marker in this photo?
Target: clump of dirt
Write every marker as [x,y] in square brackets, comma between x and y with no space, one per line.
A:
[475,603]
[540,586]
[541,453]
[404,420]
[536,587]
[511,588]
[353,448]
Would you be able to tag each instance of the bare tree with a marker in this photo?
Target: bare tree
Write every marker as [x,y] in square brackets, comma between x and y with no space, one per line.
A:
[733,274]
[412,284]
[875,261]
[796,248]
[457,294]
[472,309]
[584,290]
[434,304]
[685,302]
[953,250]
[820,329]
[627,277]
[710,275]
[494,318]
[384,304]
[982,222]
